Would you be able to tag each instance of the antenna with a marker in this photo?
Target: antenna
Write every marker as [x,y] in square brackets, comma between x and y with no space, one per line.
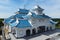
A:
[25,4]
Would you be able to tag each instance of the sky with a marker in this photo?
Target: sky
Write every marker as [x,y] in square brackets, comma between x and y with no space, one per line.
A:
[9,7]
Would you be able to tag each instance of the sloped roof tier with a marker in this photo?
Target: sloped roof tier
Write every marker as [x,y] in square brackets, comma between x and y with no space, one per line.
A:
[13,21]
[25,11]
[23,24]
[52,22]
[36,16]
[20,24]
[17,16]
[7,20]
[13,24]
[26,17]
[40,16]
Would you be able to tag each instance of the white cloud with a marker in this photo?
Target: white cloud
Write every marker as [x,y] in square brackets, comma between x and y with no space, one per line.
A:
[52,8]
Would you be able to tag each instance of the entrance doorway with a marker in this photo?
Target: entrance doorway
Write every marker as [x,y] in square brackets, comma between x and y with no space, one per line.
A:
[47,28]
[33,31]
[50,28]
[28,32]
[41,29]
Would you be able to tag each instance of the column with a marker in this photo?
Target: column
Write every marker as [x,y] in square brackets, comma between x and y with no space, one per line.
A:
[49,27]
[53,27]
[30,31]
[45,28]
[36,30]
[16,35]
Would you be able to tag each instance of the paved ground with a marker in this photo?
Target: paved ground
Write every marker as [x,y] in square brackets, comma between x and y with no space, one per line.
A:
[41,36]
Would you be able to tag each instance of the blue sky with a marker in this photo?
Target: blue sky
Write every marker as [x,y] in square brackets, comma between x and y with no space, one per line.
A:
[9,7]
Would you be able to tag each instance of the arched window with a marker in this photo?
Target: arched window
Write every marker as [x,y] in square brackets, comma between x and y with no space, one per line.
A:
[33,31]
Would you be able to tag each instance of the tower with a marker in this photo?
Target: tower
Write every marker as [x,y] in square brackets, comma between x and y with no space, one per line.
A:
[38,10]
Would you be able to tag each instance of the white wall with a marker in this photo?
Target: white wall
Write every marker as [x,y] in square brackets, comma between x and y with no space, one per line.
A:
[20,32]
[9,28]
[37,23]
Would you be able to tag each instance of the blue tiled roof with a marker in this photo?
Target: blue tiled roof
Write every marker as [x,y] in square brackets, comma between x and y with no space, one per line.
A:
[39,16]
[52,22]
[23,24]
[17,16]
[13,24]
[26,17]
[13,21]
[23,11]
[7,20]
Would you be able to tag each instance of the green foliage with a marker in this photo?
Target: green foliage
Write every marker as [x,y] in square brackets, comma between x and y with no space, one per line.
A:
[57,20]
[1,22]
